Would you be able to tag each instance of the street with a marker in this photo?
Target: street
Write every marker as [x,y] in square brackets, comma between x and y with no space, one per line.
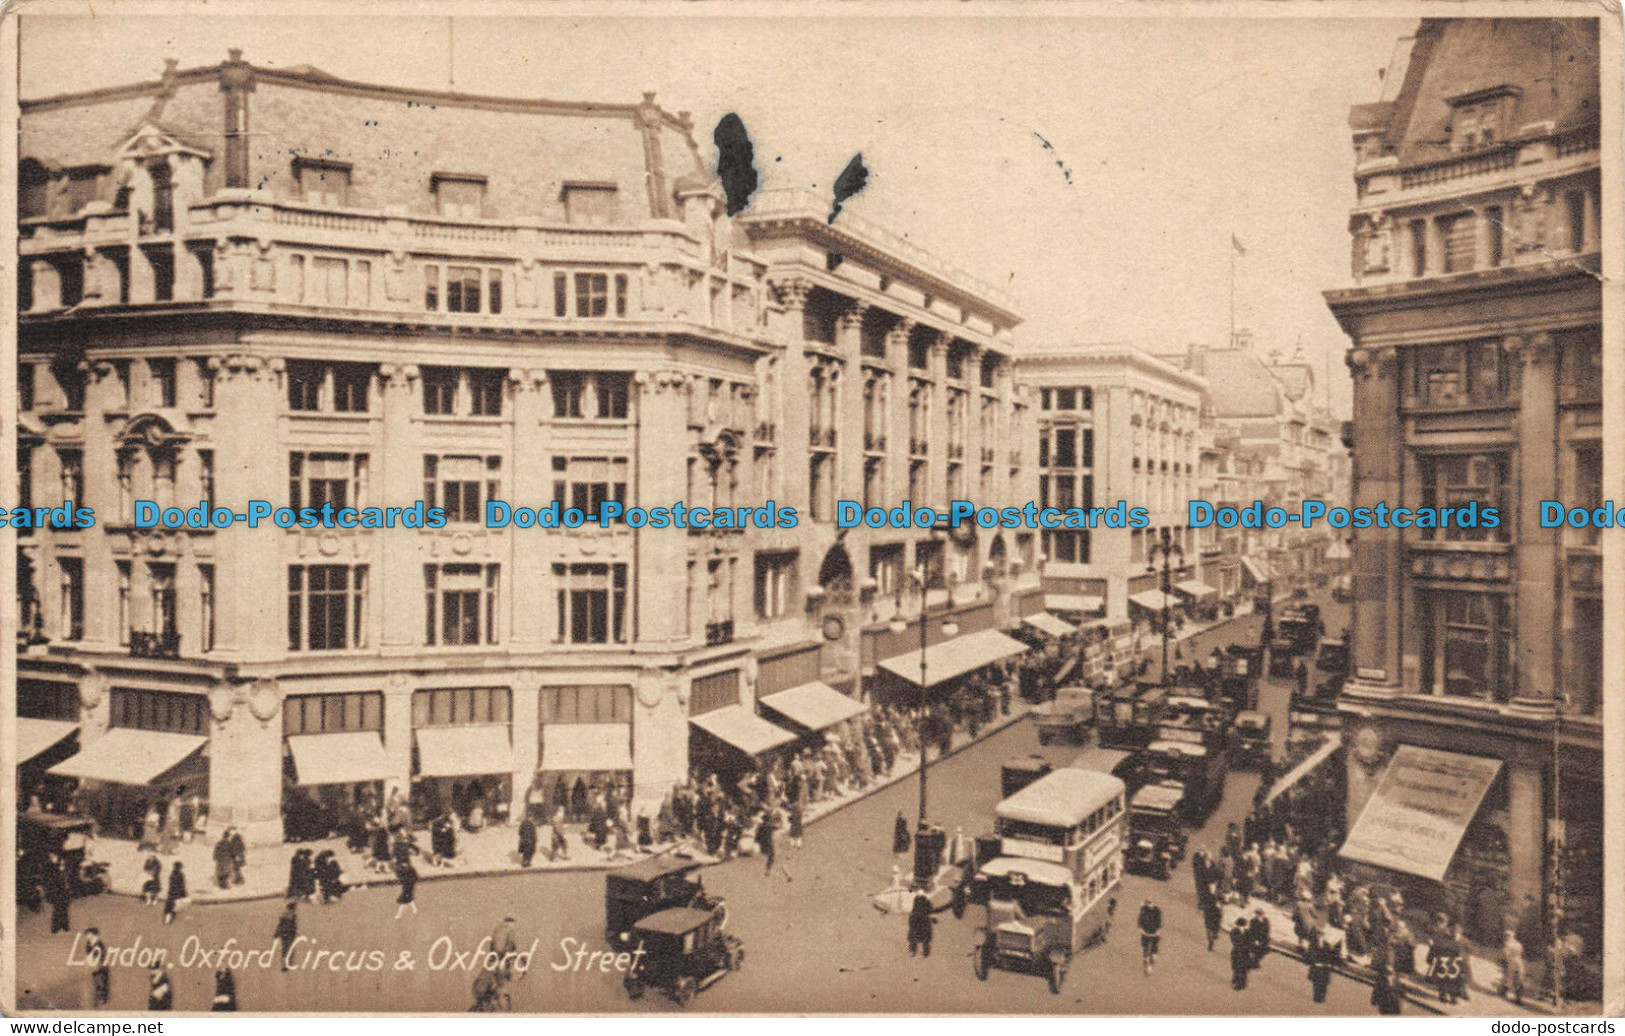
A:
[814,942]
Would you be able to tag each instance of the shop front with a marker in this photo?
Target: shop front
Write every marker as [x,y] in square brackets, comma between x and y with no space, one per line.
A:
[811,709]
[463,759]
[586,747]
[727,737]
[333,763]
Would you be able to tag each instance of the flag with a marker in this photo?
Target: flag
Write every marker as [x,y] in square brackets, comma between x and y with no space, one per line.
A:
[1235,242]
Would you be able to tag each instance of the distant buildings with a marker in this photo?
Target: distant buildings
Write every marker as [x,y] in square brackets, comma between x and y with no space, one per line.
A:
[1475,314]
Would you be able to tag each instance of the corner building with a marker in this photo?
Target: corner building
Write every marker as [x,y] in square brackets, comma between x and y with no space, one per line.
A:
[240,283]
[1475,314]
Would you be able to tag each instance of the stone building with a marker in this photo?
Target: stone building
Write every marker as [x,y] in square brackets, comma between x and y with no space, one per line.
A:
[251,284]
[1115,423]
[1475,315]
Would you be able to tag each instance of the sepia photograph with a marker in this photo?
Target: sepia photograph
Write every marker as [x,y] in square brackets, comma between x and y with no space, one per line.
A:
[879,509]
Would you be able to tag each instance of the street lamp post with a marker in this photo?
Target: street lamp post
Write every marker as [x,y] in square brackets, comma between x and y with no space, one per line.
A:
[1168,550]
[949,629]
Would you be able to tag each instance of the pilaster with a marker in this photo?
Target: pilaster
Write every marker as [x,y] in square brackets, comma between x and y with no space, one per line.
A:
[1537,548]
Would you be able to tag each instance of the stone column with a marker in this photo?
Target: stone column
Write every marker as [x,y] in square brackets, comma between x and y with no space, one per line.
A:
[245,762]
[661,554]
[897,459]
[849,404]
[398,733]
[103,393]
[659,735]
[527,728]
[530,484]
[251,580]
[1537,549]
[794,417]
[937,449]
[398,479]
[1379,452]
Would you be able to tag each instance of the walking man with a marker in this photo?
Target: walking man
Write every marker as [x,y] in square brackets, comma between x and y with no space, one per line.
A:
[1241,955]
[1150,921]
[287,930]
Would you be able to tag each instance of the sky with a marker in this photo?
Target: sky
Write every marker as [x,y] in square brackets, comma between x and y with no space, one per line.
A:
[1167,136]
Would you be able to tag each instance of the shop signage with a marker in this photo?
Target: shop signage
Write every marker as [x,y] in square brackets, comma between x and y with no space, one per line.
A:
[1415,819]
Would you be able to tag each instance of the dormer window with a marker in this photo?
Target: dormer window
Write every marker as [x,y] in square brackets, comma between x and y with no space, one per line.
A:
[1479,119]
[590,204]
[459,195]
[323,183]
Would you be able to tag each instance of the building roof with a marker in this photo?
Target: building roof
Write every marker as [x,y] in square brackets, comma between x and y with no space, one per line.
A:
[1240,385]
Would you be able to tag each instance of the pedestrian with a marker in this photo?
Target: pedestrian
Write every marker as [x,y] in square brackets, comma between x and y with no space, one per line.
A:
[1320,967]
[1404,942]
[160,995]
[900,835]
[1150,922]
[177,892]
[408,877]
[153,888]
[1258,933]
[58,893]
[287,931]
[1212,916]
[1241,955]
[329,876]
[764,840]
[239,856]
[559,849]
[225,991]
[527,841]
[101,975]
[300,881]
[1384,991]
[222,860]
[1512,967]
[1444,965]
[797,824]
[185,814]
[920,923]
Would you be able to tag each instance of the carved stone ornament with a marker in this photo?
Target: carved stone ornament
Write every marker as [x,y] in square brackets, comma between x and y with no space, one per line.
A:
[90,692]
[651,687]
[1369,748]
[264,702]
[222,702]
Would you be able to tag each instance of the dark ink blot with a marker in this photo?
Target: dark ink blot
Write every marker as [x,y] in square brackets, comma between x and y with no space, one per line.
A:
[1062,166]
[736,166]
[852,180]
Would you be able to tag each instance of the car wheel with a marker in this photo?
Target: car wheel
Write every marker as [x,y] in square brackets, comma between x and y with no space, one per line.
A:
[684,991]
[979,963]
[1057,975]
[634,989]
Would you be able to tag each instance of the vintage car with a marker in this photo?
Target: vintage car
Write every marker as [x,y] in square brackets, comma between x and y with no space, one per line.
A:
[1067,718]
[684,950]
[1301,624]
[1127,717]
[1250,738]
[1197,767]
[1156,832]
[1283,657]
[647,887]
[41,836]
[1332,656]
[1018,773]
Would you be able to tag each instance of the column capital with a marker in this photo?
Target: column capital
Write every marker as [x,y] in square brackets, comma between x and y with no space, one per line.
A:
[1531,350]
[791,292]
[851,318]
[900,331]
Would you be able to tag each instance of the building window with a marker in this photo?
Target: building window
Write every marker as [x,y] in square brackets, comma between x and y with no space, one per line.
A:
[73,476]
[586,482]
[461,707]
[350,384]
[326,607]
[161,599]
[323,183]
[461,604]
[205,475]
[586,704]
[331,387]
[928,557]
[122,618]
[1579,375]
[597,394]
[431,288]
[162,375]
[1419,247]
[459,197]
[439,391]
[710,693]
[327,282]
[72,623]
[315,479]
[775,584]
[485,393]
[592,294]
[458,485]
[1470,373]
[1456,480]
[1494,235]
[1574,206]
[1067,545]
[205,594]
[304,385]
[162,711]
[1459,234]
[561,295]
[886,568]
[462,289]
[1467,645]
[589,204]
[332,713]
[1587,490]
[591,603]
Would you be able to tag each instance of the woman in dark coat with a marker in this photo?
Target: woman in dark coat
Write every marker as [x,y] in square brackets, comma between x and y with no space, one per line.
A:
[222,861]
[900,838]
[225,991]
[920,923]
[408,876]
[177,891]
[287,932]
[380,848]
[153,887]
[160,994]
[797,824]
[300,884]
[527,841]
[329,876]
[1320,967]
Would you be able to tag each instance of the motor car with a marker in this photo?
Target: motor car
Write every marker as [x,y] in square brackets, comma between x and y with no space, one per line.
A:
[1250,738]
[684,950]
[1156,833]
[1067,718]
[1283,657]
[65,836]
[1018,773]
[647,887]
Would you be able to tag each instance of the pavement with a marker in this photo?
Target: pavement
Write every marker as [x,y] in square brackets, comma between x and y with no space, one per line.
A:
[489,852]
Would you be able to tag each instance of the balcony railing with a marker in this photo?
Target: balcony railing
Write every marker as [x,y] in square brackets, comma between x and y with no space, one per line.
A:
[917,447]
[766,431]
[874,442]
[824,437]
[987,455]
[719,632]
[155,645]
[956,451]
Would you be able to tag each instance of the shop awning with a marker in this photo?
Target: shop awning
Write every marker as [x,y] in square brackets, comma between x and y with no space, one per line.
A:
[586,746]
[1414,821]
[1259,570]
[464,751]
[1326,750]
[36,735]
[1152,600]
[125,756]
[743,729]
[1074,603]
[341,758]
[1048,623]
[953,658]
[1195,589]
[816,706]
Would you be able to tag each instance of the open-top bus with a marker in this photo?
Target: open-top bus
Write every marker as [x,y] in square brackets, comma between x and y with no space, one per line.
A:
[1050,890]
